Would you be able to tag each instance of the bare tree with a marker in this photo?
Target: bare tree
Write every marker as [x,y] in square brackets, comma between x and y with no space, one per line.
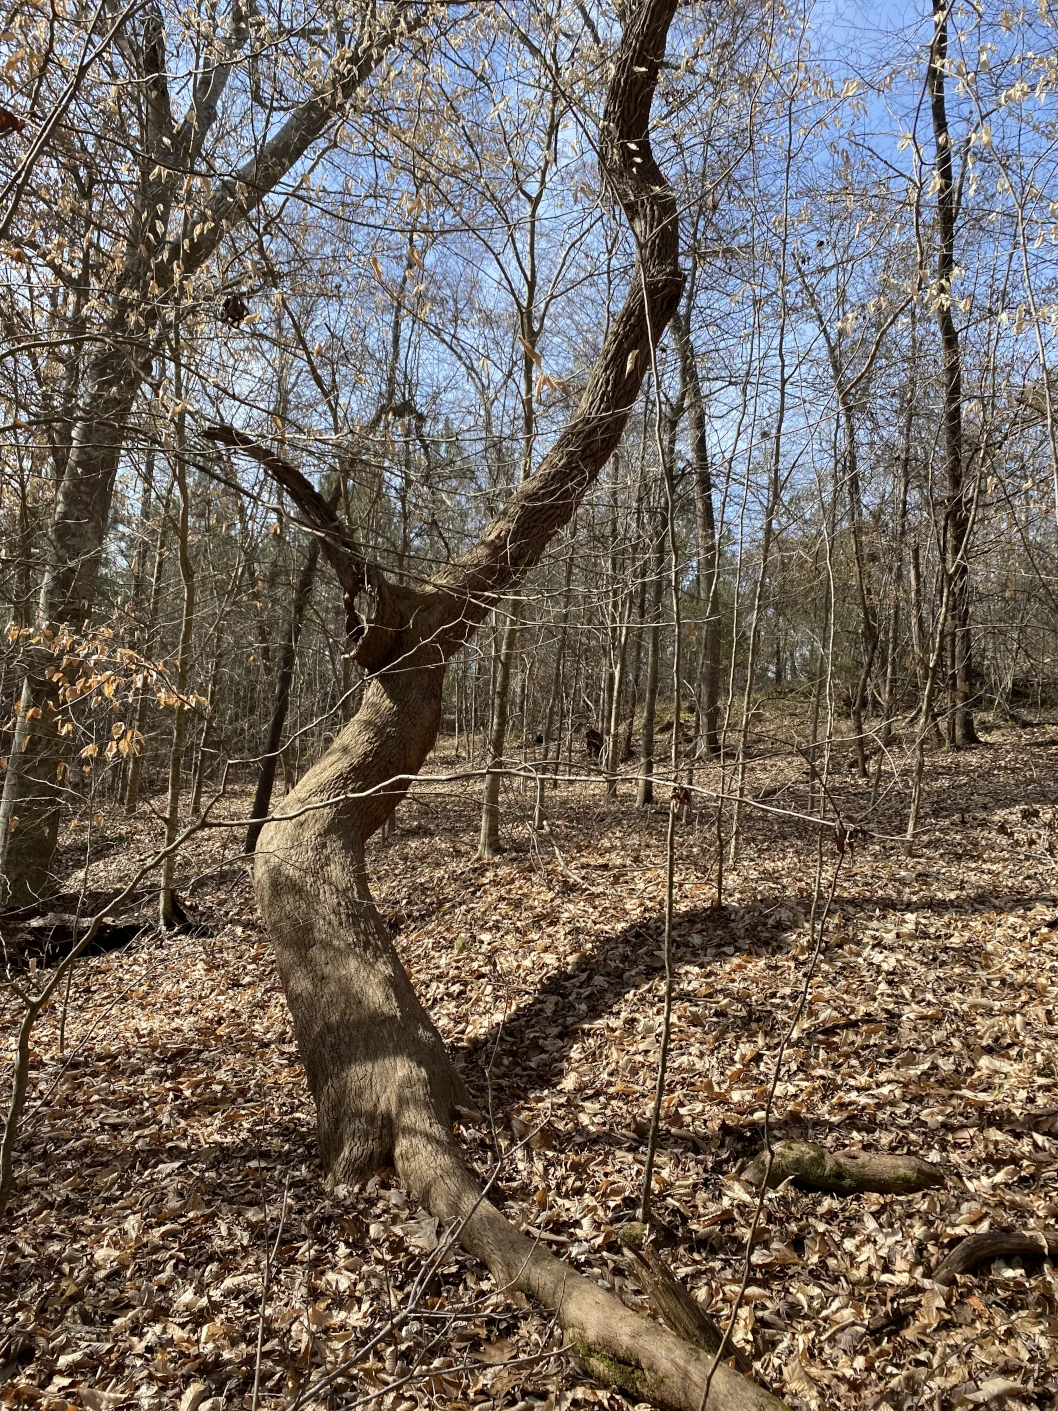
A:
[166,242]
[385,1088]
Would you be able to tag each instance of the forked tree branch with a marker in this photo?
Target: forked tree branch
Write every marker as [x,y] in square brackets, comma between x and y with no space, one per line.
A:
[370,633]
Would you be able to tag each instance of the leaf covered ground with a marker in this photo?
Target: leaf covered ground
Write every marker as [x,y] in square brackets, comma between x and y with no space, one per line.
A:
[171,1242]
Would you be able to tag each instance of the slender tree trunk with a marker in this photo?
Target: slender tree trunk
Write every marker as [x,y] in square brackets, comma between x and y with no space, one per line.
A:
[868,611]
[708,544]
[198,782]
[645,791]
[284,680]
[150,636]
[899,546]
[957,517]
[756,620]
[613,724]
[489,844]
[869,631]
[554,695]
[166,915]
[637,664]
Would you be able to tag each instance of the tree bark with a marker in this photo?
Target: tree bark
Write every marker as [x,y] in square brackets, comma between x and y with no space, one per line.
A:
[166,914]
[975,1250]
[680,1310]
[613,723]
[645,791]
[864,592]
[708,546]
[955,530]
[150,633]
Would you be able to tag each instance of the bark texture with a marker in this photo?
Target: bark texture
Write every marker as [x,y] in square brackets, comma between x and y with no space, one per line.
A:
[708,543]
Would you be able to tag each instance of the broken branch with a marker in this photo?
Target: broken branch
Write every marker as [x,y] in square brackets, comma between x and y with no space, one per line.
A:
[678,1308]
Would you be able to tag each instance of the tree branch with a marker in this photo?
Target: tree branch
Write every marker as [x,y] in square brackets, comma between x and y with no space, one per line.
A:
[374,633]
[516,539]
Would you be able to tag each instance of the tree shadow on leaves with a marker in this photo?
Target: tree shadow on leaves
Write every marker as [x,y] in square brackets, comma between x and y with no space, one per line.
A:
[528,1050]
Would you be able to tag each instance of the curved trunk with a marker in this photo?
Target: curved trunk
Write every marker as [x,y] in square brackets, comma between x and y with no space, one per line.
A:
[384,1086]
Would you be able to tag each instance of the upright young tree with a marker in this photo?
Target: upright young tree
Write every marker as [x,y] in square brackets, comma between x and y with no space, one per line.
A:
[956,519]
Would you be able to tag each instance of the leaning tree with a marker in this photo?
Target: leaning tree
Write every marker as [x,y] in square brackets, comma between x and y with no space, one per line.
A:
[385,1088]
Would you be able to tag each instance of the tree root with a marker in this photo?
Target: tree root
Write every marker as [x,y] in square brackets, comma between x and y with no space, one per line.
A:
[680,1311]
[843,1172]
[618,1346]
[975,1250]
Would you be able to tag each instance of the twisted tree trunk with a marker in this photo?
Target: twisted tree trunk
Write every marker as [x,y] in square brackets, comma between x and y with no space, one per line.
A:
[385,1088]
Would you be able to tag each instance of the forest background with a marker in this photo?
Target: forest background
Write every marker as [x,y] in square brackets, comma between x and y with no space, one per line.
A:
[298,304]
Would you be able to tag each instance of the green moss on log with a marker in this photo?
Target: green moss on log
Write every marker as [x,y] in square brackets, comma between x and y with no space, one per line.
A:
[843,1172]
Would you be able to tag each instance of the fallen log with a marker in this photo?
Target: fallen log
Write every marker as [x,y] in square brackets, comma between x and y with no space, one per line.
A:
[675,1305]
[976,1250]
[843,1172]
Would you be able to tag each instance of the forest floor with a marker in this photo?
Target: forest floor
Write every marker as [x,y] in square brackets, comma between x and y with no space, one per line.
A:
[171,1243]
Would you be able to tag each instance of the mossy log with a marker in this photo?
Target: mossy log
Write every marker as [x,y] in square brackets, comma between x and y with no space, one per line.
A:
[976,1250]
[843,1172]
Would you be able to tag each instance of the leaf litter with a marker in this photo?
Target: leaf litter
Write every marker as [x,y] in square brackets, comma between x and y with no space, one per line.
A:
[171,1242]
